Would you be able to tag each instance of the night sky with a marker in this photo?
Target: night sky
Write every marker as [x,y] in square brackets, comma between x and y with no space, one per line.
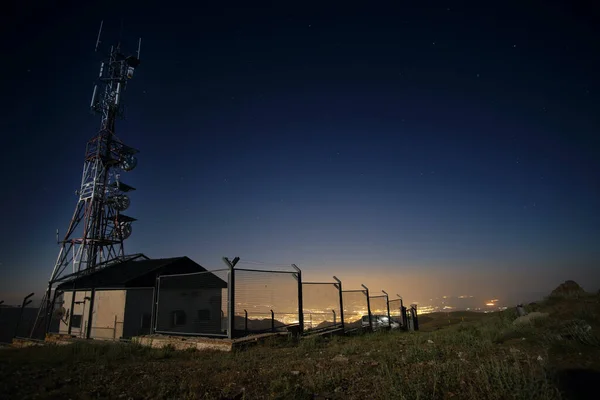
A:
[426,148]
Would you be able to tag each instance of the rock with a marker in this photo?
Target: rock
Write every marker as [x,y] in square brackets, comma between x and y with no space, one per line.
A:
[340,358]
[296,373]
[514,351]
[526,319]
[429,341]
[568,288]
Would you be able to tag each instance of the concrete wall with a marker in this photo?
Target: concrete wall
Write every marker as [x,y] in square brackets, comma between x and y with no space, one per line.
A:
[81,309]
[202,309]
[126,313]
[109,310]
[107,314]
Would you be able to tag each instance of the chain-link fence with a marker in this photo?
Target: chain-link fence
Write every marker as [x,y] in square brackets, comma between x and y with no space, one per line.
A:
[356,309]
[379,311]
[16,322]
[192,304]
[265,301]
[395,307]
[229,302]
[321,306]
[236,301]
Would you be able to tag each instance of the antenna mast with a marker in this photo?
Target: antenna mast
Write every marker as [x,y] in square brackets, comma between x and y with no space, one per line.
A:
[98,228]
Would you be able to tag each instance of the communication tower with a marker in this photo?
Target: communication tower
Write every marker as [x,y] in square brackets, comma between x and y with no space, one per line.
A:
[94,238]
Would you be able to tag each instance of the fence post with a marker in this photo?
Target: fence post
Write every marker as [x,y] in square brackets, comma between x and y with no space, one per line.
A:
[246,322]
[49,313]
[155,295]
[90,314]
[368,305]
[415,317]
[73,293]
[26,301]
[231,296]
[334,320]
[298,276]
[403,314]
[387,302]
[272,321]
[339,286]
[115,329]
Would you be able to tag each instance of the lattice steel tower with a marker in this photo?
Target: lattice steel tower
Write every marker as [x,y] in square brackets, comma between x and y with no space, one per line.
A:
[98,227]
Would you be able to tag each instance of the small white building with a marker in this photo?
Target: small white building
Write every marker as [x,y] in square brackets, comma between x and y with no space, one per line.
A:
[124,300]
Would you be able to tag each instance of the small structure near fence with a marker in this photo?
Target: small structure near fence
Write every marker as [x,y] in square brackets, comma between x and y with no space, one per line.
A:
[117,301]
[379,312]
[398,311]
[178,298]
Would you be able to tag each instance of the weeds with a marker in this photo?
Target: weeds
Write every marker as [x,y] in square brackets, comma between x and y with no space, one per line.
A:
[485,359]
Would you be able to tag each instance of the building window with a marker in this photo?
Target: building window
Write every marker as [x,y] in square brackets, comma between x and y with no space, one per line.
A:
[204,315]
[146,321]
[178,318]
[76,320]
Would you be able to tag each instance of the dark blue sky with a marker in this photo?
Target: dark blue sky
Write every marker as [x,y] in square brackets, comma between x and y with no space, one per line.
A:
[428,148]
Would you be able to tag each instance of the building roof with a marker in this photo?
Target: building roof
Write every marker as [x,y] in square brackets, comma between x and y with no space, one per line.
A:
[139,273]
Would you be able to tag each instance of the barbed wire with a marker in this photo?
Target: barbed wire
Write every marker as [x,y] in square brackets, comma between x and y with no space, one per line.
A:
[255,262]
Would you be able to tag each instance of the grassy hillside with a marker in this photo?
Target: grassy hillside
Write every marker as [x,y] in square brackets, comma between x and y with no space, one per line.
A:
[474,356]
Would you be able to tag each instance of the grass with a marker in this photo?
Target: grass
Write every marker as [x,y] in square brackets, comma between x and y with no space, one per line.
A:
[475,356]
